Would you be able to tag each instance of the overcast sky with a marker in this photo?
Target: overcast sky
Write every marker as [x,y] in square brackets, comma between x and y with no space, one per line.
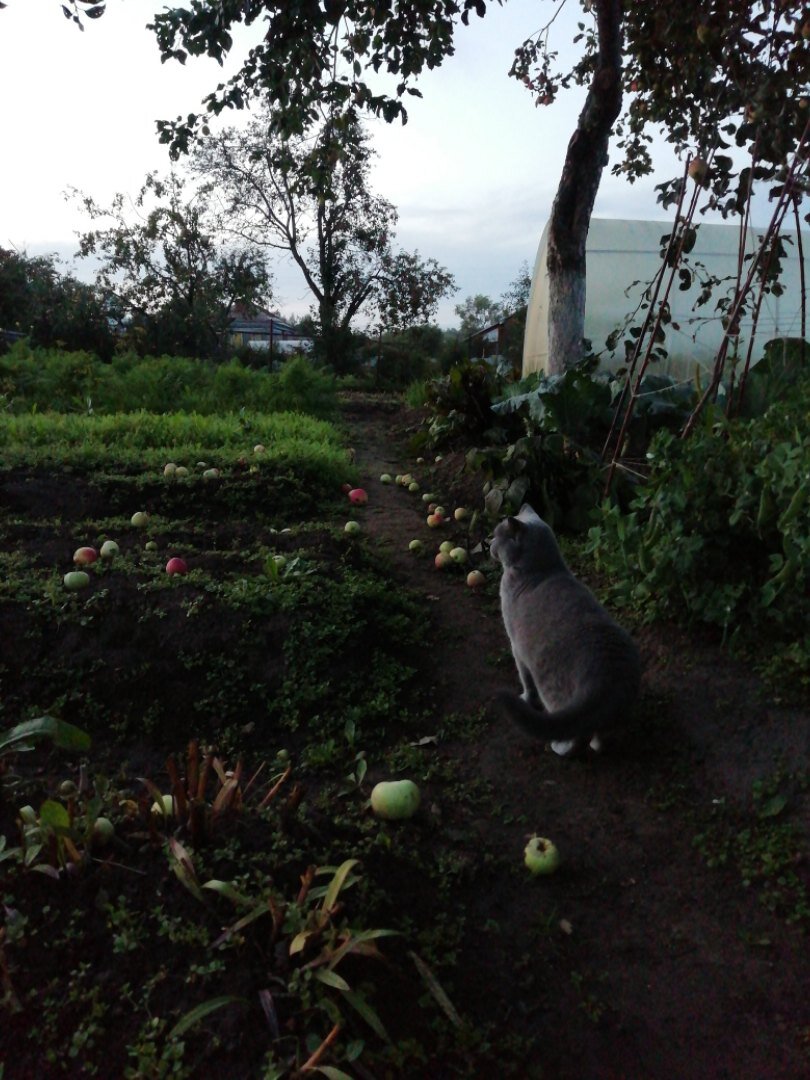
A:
[472,174]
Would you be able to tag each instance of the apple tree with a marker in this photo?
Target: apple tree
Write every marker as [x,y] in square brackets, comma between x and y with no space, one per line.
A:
[162,261]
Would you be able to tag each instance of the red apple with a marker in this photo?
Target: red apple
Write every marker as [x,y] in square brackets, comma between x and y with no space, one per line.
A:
[358,496]
[176,566]
[83,556]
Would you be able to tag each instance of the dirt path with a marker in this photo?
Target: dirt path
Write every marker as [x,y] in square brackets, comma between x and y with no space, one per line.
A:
[636,959]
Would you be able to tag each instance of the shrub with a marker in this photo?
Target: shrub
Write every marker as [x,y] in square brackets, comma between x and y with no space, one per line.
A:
[720,531]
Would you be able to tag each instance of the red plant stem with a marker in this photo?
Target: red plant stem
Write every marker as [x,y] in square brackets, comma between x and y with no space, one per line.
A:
[313,1061]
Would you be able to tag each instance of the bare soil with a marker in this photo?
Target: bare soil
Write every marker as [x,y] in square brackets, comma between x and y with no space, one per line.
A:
[671,943]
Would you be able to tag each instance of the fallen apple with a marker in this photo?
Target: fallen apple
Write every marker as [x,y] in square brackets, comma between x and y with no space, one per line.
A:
[416,546]
[176,566]
[103,831]
[139,519]
[541,856]
[475,579]
[459,555]
[181,471]
[84,556]
[258,448]
[395,800]
[280,561]
[386,478]
[440,510]
[210,474]
[446,546]
[150,545]
[442,561]
[75,580]
[434,520]
[202,464]
[428,497]
[352,528]
[398,478]
[169,469]
[413,487]
[358,497]
[438,458]
[461,513]
[109,549]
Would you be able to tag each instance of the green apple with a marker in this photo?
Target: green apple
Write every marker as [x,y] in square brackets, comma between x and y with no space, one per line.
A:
[210,474]
[140,519]
[103,831]
[181,471]
[416,546]
[440,510]
[352,528]
[446,546]
[541,856]
[169,469]
[75,580]
[428,497]
[461,513]
[459,555]
[395,800]
[386,478]
[109,549]
[150,545]
[258,448]
[413,487]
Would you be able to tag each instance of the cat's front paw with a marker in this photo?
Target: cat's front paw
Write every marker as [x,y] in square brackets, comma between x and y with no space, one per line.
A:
[564,749]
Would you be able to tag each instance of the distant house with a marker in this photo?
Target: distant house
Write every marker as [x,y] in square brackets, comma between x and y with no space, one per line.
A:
[503,339]
[261,330]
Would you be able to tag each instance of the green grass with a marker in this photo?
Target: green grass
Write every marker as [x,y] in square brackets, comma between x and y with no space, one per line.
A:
[149,440]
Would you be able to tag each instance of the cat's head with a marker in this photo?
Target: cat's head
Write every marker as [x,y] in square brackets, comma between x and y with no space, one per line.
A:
[526,541]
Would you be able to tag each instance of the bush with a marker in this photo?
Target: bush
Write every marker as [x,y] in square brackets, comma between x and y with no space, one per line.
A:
[720,531]
[49,379]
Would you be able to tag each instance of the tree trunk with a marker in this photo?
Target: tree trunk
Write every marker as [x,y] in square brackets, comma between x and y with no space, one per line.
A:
[585,159]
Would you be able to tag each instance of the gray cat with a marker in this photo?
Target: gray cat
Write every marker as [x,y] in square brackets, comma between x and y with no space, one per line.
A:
[580,671]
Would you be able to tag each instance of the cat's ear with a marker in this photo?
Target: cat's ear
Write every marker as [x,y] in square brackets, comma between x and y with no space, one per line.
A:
[515,525]
[528,513]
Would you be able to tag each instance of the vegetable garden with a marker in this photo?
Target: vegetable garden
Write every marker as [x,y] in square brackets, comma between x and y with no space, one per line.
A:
[205,884]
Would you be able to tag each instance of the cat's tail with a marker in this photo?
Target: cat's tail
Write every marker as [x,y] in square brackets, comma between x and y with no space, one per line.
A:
[580,720]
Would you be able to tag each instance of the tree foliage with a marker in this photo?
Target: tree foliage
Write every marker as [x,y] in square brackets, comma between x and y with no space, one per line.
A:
[161,260]
[309,196]
[313,57]
[52,308]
